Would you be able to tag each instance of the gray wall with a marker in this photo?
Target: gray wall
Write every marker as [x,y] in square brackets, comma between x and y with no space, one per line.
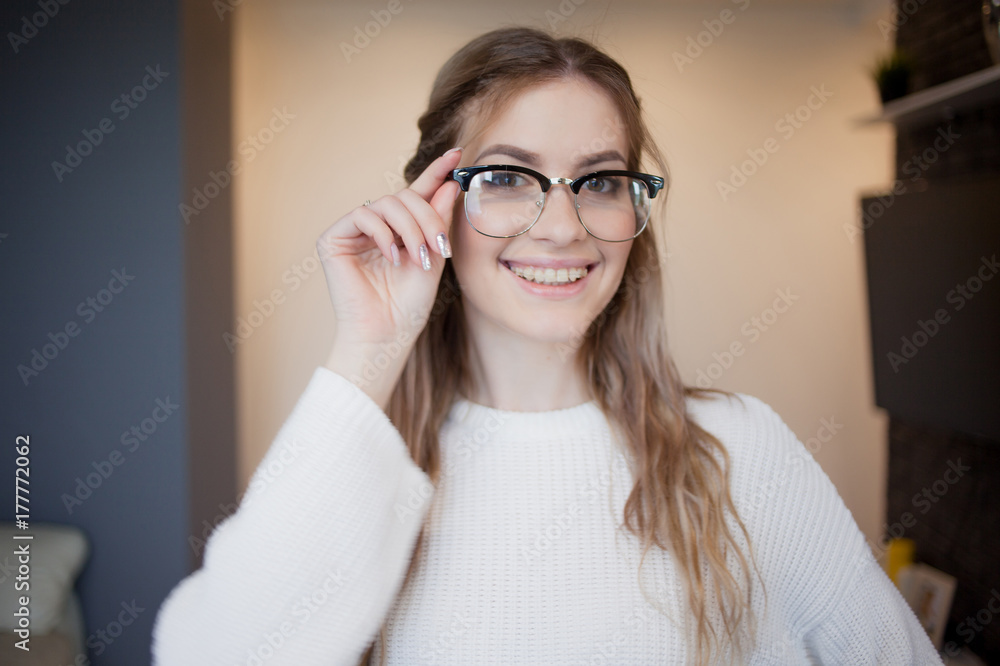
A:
[62,241]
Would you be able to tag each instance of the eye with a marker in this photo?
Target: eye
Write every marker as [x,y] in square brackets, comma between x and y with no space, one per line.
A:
[602,185]
[505,180]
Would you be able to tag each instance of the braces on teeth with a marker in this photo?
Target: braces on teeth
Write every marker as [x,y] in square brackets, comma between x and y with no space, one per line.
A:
[549,275]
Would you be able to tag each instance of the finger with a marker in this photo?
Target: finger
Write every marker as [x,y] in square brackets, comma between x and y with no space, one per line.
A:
[375,227]
[399,218]
[444,202]
[428,182]
[430,220]
[344,236]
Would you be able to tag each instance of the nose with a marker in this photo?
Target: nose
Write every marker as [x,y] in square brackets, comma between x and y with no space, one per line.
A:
[558,221]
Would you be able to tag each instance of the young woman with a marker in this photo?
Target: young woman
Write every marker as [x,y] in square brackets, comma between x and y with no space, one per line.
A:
[499,463]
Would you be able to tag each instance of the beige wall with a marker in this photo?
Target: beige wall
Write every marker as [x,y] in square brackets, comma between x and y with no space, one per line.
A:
[355,123]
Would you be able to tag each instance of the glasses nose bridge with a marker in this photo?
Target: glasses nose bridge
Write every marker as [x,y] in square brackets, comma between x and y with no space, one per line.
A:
[568,182]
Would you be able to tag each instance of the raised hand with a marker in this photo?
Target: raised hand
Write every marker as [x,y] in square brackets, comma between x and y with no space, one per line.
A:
[383,263]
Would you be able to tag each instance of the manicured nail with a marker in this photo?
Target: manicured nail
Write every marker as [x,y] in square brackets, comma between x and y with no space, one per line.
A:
[449,152]
[444,245]
[425,260]
[394,251]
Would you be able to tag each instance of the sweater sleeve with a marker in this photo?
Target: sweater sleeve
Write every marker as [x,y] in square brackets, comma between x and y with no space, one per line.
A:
[870,623]
[832,594]
[306,569]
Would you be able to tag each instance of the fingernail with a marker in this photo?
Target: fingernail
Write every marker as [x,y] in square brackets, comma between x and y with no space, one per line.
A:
[425,260]
[394,251]
[457,192]
[444,245]
[449,152]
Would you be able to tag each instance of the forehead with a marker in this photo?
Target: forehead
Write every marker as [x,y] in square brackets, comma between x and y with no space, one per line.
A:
[562,121]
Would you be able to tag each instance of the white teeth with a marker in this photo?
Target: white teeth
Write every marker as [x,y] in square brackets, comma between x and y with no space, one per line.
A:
[549,275]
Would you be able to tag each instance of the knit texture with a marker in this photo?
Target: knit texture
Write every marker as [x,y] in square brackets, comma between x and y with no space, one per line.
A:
[525,559]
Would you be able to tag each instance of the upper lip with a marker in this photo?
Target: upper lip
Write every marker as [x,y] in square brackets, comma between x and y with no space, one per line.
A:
[548,262]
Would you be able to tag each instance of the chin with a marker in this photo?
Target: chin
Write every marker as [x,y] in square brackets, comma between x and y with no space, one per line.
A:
[558,332]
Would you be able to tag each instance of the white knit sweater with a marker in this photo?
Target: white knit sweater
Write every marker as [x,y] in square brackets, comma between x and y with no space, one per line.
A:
[524,560]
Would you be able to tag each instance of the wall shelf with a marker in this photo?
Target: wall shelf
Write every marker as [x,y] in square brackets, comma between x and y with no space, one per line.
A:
[940,102]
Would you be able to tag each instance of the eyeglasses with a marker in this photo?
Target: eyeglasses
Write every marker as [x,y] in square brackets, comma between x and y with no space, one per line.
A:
[503,200]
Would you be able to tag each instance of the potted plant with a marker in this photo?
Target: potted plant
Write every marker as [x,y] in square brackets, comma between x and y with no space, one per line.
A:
[892,75]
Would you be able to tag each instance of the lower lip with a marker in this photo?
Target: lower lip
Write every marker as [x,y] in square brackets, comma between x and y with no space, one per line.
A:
[550,291]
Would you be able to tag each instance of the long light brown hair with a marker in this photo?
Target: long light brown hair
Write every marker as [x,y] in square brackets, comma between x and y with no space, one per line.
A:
[680,501]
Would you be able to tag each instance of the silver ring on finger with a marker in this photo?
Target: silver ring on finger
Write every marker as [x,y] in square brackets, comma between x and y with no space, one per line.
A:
[368,202]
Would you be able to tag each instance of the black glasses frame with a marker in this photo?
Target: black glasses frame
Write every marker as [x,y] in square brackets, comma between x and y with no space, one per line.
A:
[464,175]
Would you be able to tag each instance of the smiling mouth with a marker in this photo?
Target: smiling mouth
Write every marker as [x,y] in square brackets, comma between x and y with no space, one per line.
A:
[549,276]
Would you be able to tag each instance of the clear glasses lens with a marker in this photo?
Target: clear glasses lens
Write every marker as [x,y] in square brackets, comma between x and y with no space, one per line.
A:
[503,203]
[613,207]
[506,203]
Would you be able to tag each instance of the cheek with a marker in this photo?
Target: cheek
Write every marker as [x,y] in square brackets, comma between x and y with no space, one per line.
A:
[474,254]
[460,232]
[617,258]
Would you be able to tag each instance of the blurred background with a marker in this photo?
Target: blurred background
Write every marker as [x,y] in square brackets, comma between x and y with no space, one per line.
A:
[168,166]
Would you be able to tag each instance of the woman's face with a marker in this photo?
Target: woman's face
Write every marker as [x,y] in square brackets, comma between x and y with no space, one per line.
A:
[563,129]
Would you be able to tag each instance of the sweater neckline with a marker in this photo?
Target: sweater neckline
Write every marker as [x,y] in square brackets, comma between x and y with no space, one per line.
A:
[575,420]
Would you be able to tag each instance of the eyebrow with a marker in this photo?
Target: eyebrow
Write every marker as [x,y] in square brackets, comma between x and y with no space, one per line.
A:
[533,158]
